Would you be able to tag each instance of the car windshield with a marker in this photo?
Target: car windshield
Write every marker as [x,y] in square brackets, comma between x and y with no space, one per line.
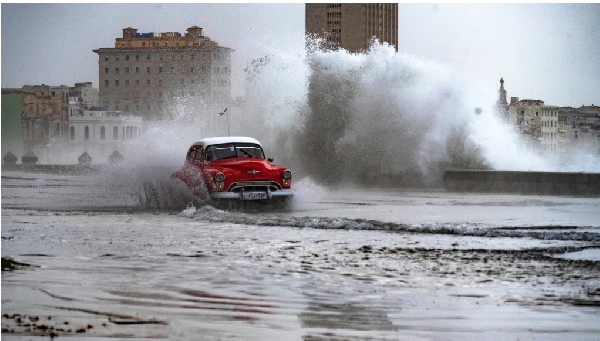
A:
[233,150]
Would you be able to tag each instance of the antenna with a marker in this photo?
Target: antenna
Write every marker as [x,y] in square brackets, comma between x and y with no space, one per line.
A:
[228,133]
[227,117]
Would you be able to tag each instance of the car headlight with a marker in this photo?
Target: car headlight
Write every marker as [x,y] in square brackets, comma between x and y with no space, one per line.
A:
[220,177]
[287,174]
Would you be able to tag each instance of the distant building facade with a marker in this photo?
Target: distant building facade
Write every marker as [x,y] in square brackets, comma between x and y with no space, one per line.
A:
[146,73]
[12,130]
[352,26]
[100,133]
[59,123]
[549,128]
[580,126]
[535,120]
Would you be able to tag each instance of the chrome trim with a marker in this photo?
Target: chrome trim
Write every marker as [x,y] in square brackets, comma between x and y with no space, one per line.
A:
[284,193]
[243,184]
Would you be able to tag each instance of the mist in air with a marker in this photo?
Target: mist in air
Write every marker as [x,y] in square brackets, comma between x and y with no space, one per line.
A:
[378,118]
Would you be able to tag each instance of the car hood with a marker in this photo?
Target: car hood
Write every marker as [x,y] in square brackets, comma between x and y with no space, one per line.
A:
[245,169]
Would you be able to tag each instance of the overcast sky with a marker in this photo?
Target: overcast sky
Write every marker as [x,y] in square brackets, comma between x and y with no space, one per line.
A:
[549,52]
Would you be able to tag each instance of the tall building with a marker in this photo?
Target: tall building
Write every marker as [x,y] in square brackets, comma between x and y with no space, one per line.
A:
[352,26]
[145,74]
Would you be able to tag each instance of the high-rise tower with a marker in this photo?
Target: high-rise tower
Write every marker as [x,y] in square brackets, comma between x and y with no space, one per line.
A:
[352,26]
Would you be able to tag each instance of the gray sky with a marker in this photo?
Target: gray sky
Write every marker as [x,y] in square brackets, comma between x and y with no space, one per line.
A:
[544,51]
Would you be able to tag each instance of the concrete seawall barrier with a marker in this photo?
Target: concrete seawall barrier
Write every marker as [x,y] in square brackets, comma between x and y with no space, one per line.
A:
[55,169]
[546,183]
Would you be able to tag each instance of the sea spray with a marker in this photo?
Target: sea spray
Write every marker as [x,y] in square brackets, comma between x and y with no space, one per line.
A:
[376,118]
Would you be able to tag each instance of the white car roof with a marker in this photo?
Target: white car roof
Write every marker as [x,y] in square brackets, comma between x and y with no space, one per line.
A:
[207,141]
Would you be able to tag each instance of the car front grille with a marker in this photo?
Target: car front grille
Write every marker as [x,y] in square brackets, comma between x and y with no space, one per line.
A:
[254,186]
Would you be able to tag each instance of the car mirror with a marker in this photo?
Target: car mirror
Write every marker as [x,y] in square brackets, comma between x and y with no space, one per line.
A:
[270,159]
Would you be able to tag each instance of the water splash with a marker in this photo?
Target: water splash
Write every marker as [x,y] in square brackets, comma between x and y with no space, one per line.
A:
[380,117]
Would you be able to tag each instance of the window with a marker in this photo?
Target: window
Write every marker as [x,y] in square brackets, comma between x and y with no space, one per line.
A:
[127,82]
[127,95]
[106,58]
[136,95]
[116,70]
[172,69]
[192,69]
[117,58]
[160,68]
[102,133]
[147,81]
[148,57]
[106,82]
[137,69]
[126,57]
[105,70]
[116,82]
[160,82]
[126,70]
[147,94]
[72,132]
[148,69]
[87,133]
[137,57]
[115,133]
[137,82]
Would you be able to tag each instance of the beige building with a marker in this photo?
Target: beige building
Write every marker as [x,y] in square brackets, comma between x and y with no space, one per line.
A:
[535,120]
[580,126]
[44,113]
[145,74]
[352,26]
[549,128]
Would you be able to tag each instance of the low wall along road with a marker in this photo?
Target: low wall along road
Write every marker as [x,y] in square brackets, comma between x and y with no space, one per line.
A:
[547,183]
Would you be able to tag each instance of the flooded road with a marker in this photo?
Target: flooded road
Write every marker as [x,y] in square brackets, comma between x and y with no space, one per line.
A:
[87,258]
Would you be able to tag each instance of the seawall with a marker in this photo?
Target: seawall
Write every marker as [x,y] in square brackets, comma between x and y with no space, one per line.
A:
[55,169]
[545,183]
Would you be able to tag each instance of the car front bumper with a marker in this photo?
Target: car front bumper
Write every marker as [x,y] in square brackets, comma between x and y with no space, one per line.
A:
[280,194]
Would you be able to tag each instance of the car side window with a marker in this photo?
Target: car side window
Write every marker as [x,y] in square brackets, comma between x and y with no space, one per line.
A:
[210,153]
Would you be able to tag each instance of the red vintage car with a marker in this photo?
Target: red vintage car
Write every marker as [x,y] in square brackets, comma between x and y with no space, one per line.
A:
[234,168]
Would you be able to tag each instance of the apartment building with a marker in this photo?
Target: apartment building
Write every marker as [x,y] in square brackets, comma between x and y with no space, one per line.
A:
[146,74]
[535,120]
[580,126]
[352,26]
